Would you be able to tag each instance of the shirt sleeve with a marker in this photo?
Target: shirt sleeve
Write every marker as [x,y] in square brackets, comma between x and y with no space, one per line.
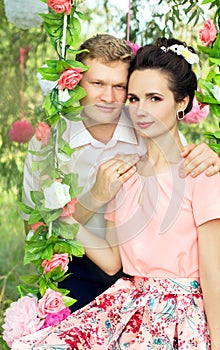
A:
[206,198]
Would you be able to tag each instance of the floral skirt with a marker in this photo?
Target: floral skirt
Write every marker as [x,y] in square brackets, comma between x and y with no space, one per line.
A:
[135,314]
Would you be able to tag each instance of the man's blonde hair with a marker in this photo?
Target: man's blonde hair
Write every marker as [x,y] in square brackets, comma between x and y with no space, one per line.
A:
[106,48]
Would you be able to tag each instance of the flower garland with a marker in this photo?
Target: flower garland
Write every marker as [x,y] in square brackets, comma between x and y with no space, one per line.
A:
[51,242]
[209,92]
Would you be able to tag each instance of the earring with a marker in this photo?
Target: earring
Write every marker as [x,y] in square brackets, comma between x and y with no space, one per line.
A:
[180,114]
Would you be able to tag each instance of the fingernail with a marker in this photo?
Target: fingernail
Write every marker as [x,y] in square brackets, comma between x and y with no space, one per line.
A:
[193,173]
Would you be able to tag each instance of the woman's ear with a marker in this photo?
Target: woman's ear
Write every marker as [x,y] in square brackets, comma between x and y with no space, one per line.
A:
[183,104]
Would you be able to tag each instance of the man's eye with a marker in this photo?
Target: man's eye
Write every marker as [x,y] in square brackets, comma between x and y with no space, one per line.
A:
[96,83]
[120,87]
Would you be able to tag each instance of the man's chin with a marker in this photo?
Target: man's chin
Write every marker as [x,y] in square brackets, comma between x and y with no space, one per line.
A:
[101,115]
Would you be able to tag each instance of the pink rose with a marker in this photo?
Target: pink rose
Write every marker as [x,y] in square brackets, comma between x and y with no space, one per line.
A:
[51,303]
[69,78]
[134,47]
[21,131]
[43,133]
[61,260]
[54,319]
[35,226]
[198,113]
[60,6]
[69,209]
[21,318]
[208,33]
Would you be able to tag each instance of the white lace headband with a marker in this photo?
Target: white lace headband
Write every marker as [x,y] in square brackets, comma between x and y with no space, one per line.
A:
[189,56]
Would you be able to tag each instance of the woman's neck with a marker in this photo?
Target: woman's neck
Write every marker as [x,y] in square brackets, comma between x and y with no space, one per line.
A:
[162,152]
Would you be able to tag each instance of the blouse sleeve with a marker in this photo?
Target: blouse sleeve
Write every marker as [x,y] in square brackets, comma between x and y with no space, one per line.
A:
[206,198]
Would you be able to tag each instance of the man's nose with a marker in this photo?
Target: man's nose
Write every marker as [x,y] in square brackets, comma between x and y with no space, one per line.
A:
[108,94]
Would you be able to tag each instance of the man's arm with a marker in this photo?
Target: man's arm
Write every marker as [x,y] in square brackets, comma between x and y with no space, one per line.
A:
[110,177]
[198,159]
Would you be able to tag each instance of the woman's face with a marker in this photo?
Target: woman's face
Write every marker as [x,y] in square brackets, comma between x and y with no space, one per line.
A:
[151,103]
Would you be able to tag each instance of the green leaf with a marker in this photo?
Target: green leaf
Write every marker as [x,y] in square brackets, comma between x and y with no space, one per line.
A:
[77,64]
[54,31]
[62,247]
[72,180]
[217,79]
[73,31]
[53,19]
[65,230]
[73,113]
[77,94]
[81,15]
[65,148]
[37,197]
[205,49]
[215,147]
[47,253]
[207,1]
[35,216]
[24,290]
[192,16]
[42,286]
[215,60]
[215,134]
[54,274]
[51,103]
[68,301]
[49,74]
[30,279]
[25,208]
[76,248]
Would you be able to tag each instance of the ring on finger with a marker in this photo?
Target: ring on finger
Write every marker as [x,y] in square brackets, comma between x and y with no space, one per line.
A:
[118,172]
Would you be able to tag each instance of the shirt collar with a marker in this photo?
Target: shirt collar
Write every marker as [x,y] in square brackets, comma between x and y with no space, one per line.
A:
[77,135]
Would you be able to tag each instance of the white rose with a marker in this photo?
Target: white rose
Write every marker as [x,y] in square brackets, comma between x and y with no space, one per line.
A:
[57,195]
[64,95]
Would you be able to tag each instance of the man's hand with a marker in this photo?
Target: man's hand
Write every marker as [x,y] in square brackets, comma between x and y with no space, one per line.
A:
[111,175]
[198,159]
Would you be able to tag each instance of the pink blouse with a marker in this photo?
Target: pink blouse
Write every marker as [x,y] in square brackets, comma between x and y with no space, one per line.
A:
[157,218]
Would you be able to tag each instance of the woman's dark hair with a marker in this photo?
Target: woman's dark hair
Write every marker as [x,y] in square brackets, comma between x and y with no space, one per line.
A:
[181,79]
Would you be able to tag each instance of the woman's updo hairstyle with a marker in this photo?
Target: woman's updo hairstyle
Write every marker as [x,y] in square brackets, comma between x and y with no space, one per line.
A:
[181,78]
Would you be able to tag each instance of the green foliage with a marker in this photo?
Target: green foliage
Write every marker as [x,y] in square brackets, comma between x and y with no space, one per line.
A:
[164,20]
[210,86]
[11,253]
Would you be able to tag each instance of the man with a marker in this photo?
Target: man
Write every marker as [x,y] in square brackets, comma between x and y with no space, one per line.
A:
[105,133]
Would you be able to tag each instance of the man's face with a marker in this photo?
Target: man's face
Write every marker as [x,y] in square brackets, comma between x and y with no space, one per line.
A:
[105,85]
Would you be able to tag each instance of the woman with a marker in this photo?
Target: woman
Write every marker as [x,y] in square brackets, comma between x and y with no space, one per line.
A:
[163,229]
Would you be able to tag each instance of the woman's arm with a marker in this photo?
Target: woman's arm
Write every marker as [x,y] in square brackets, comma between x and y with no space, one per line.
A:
[209,257]
[103,252]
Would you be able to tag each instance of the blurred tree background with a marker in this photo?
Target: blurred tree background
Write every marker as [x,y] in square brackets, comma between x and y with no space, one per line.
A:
[148,20]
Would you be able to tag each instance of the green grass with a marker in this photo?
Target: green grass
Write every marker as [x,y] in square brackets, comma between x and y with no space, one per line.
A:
[11,253]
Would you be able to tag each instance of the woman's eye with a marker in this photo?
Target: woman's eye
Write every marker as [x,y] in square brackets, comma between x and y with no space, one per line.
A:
[132,99]
[155,98]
